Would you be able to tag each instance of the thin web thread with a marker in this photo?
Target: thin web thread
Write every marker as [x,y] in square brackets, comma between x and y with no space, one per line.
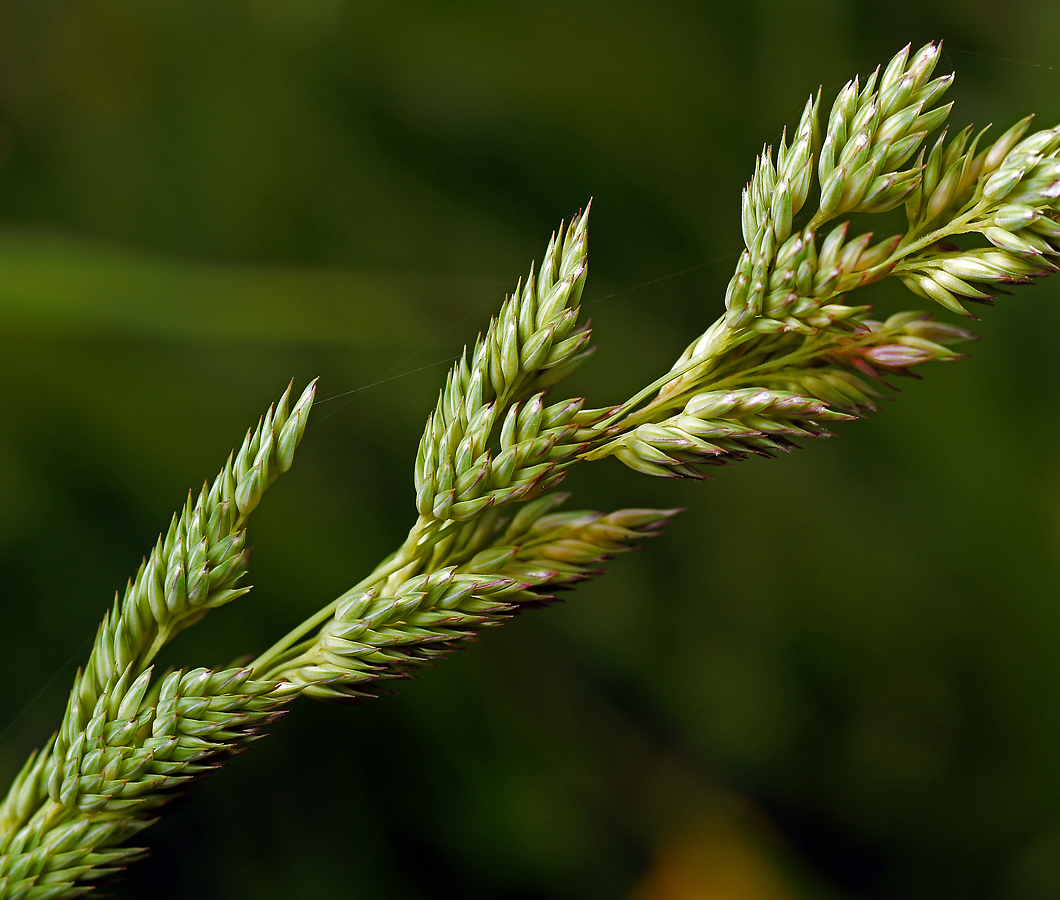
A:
[349,395]
[491,299]
[44,688]
[1017,62]
[373,384]
[474,310]
[703,265]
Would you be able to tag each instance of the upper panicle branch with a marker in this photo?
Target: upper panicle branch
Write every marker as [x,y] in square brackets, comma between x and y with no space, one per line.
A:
[780,282]
[874,130]
[533,342]
[785,310]
[1008,193]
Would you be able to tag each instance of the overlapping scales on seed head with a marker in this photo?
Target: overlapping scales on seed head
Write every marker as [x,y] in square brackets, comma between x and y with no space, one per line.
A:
[716,427]
[545,548]
[533,343]
[793,389]
[776,194]
[198,564]
[783,280]
[493,569]
[373,636]
[1010,194]
[105,773]
[875,129]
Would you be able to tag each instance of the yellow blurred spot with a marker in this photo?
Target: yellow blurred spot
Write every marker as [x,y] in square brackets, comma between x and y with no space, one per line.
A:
[712,862]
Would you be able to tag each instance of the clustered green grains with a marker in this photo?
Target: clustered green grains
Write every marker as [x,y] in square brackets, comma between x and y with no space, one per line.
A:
[787,326]
[66,811]
[533,343]
[125,743]
[196,567]
[716,426]
[788,358]
[378,633]
[872,131]
[1014,204]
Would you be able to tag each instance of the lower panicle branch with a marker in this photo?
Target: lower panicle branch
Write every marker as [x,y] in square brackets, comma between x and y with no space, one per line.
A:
[100,782]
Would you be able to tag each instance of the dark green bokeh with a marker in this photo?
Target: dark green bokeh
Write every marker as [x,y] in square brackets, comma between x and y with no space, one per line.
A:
[851,651]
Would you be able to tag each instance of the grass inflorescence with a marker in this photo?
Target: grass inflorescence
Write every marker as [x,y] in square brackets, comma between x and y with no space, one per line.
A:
[788,359]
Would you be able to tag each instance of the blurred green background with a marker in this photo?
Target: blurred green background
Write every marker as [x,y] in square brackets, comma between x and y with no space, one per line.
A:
[836,677]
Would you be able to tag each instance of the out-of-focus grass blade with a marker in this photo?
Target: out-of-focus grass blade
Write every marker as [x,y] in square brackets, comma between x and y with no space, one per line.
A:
[52,284]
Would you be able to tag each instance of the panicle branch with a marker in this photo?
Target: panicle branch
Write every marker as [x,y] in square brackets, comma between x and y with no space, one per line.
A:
[788,326]
[491,440]
[125,743]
